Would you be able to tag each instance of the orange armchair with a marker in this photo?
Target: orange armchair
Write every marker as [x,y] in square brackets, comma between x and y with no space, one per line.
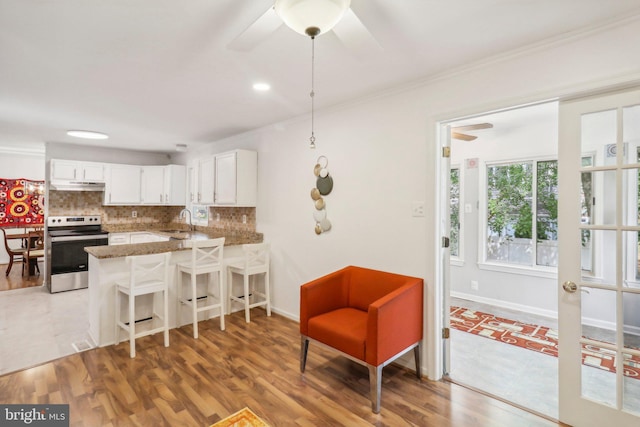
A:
[371,317]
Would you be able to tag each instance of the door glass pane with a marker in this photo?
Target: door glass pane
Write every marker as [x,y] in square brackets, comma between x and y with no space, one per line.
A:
[631,261]
[598,311]
[631,132]
[599,201]
[601,252]
[630,199]
[631,384]
[547,213]
[599,384]
[599,136]
[631,316]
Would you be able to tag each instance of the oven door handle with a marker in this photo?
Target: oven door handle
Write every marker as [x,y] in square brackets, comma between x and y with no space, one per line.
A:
[77,238]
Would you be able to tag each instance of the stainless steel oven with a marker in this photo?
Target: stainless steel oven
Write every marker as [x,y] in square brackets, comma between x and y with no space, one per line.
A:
[67,262]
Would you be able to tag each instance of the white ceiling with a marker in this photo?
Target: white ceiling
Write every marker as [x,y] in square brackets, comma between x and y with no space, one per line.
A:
[156,73]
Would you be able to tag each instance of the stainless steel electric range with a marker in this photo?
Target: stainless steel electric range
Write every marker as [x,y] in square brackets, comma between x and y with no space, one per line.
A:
[67,262]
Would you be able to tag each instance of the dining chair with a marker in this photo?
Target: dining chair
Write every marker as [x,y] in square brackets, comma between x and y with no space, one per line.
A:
[35,250]
[13,253]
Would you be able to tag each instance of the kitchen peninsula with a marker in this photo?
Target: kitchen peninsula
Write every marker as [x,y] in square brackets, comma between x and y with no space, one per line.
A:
[107,265]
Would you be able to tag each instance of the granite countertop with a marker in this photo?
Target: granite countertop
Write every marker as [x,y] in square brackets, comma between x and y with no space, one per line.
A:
[179,242]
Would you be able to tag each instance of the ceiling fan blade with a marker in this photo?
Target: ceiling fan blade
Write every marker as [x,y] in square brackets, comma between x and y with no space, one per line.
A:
[355,36]
[266,24]
[473,127]
[462,136]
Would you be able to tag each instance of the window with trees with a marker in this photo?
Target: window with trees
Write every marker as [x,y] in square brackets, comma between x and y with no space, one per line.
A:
[522,203]
[454,209]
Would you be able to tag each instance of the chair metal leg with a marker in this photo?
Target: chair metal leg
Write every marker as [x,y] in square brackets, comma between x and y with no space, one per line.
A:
[304,348]
[375,385]
[416,355]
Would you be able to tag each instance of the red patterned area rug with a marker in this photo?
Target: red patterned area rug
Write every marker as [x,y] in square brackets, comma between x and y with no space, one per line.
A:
[533,337]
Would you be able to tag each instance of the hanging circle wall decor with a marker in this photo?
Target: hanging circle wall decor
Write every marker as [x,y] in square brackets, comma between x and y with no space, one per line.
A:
[324,185]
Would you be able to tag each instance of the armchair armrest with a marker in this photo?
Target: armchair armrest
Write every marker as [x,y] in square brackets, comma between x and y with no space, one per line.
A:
[322,295]
[394,322]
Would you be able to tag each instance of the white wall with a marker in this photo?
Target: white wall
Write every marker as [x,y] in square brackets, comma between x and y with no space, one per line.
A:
[383,154]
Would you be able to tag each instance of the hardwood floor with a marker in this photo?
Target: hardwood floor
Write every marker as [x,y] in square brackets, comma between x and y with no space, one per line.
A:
[15,279]
[198,382]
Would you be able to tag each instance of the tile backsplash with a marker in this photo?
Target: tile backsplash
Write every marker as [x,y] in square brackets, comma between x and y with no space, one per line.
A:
[62,203]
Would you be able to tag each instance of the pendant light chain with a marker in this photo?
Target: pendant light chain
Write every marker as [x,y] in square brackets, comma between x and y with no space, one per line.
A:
[312,140]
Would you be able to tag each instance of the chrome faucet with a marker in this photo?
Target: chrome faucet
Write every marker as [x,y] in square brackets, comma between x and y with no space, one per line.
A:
[183,213]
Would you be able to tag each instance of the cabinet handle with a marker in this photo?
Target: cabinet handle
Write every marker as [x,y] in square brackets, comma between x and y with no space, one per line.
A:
[199,197]
[166,198]
[191,196]
[109,197]
[84,174]
[160,197]
[75,172]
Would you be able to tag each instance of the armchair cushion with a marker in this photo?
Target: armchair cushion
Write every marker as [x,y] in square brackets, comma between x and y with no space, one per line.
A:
[329,328]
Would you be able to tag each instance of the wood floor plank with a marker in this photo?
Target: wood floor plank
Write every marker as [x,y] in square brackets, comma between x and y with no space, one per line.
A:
[199,382]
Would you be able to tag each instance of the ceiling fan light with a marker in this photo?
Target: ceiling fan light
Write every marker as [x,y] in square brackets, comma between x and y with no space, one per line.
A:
[301,15]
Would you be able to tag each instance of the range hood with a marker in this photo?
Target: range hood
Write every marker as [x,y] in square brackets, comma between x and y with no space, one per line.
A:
[60,185]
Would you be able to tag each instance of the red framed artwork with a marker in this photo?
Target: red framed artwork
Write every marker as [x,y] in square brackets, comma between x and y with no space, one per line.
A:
[21,202]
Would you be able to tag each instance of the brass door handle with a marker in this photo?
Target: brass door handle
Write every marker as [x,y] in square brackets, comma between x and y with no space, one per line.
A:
[569,286]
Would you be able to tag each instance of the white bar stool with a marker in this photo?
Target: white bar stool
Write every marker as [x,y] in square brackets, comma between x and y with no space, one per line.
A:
[255,261]
[148,274]
[206,258]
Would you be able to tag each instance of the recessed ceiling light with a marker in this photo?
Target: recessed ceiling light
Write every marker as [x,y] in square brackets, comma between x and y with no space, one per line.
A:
[261,87]
[181,148]
[87,134]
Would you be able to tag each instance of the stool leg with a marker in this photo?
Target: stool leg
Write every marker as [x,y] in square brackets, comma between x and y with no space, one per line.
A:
[247,316]
[165,296]
[229,290]
[267,292]
[117,335]
[221,297]
[194,304]
[132,326]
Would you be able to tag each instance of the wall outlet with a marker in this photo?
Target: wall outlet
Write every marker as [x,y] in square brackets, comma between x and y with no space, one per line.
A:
[244,219]
[417,208]
[474,285]
[134,214]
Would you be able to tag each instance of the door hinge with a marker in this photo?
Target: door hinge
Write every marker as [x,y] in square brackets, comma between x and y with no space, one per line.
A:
[445,242]
[446,152]
[445,333]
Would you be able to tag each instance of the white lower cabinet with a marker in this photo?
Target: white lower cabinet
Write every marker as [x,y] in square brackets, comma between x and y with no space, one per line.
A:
[126,238]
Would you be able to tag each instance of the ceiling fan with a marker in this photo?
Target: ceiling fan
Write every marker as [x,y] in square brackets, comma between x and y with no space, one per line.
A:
[456,131]
[350,31]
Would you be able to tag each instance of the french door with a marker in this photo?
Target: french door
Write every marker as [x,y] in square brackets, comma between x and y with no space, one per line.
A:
[599,260]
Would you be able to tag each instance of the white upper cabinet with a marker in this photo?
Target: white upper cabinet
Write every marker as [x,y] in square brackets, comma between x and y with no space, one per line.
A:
[236,178]
[71,170]
[206,180]
[174,185]
[123,186]
[152,190]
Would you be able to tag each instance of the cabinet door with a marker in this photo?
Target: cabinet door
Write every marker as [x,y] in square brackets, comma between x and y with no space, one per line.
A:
[174,185]
[123,186]
[119,239]
[63,169]
[225,182]
[93,172]
[153,185]
[206,180]
[192,182]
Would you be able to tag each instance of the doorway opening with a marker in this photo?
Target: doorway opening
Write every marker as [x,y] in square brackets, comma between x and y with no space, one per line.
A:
[501,297]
